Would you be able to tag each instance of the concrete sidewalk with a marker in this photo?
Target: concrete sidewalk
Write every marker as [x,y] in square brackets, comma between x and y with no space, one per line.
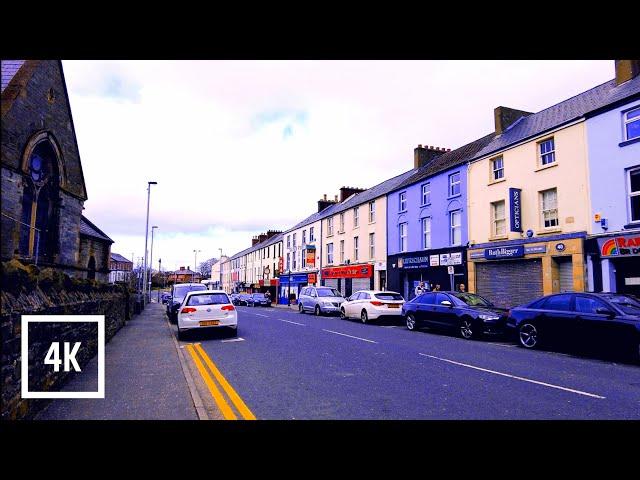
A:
[144,378]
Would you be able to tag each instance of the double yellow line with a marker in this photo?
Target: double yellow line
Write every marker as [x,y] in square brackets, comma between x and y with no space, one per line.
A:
[197,353]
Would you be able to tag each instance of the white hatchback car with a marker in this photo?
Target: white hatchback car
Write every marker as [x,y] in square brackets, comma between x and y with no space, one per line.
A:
[372,304]
[207,309]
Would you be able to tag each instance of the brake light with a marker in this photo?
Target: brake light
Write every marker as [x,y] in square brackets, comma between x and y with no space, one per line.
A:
[375,303]
[228,307]
[188,310]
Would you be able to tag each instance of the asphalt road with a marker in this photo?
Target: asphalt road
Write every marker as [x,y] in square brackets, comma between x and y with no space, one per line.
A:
[287,365]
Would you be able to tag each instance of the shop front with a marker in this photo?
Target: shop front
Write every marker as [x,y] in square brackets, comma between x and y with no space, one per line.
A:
[614,261]
[270,286]
[445,267]
[348,278]
[289,285]
[515,272]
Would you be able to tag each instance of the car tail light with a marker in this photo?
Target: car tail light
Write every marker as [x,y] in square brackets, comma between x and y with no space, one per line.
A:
[188,310]
[375,303]
[228,307]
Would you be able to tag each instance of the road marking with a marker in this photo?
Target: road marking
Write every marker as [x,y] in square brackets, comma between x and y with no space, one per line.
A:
[391,326]
[260,315]
[289,321]
[235,398]
[215,393]
[579,392]
[501,344]
[350,336]
[239,339]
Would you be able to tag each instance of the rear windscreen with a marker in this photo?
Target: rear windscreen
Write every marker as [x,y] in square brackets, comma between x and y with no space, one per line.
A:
[208,299]
[388,296]
[181,291]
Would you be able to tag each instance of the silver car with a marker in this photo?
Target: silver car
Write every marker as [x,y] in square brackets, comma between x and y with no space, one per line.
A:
[320,300]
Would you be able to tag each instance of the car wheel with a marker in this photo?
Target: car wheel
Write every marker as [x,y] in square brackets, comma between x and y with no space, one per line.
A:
[343,315]
[364,316]
[300,308]
[180,334]
[233,332]
[317,311]
[528,335]
[466,328]
[412,325]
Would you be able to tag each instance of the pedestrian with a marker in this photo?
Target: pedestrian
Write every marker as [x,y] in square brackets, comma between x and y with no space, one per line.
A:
[436,288]
[268,295]
[419,289]
[462,288]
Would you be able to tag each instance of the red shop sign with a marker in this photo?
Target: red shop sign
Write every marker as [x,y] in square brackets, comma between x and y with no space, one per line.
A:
[350,271]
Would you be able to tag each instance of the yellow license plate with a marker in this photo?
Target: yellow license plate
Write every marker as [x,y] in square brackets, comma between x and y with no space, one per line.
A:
[394,305]
[209,323]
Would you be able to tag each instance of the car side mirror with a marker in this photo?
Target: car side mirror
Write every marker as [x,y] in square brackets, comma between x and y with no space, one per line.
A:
[605,311]
[446,303]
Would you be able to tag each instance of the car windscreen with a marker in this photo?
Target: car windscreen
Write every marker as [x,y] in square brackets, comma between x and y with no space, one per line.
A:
[258,295]
[472,299]
[208,299]
[627,304]
[388,296]
[181,291]
[328,292]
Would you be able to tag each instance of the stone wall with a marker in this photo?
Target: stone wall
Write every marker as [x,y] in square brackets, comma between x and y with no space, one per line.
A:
[46,298]
[100,250]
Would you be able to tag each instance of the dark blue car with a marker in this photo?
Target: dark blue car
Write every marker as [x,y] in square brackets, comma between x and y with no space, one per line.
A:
[258,299]
[608,321]
[468,314]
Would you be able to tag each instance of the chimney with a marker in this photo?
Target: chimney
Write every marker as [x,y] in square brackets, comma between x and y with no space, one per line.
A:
[181,268]
[324,203]
[626,70]
[346,192]
[254,240]
[425,155]
[273,233]
[262,237]
[504,117]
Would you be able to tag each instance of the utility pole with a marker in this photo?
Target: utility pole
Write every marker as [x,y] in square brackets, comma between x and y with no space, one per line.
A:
[151,264]
[195,261]
[146,236]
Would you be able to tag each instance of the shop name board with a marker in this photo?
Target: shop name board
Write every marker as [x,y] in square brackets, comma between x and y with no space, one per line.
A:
[451,259]
[312,278]
[311,257]
[504,252]
[443,259]
[293,278]
[413,262]
[515,203]
[619,246]
[351,271]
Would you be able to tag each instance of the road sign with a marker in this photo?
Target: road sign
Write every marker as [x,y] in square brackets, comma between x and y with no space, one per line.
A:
[451,270]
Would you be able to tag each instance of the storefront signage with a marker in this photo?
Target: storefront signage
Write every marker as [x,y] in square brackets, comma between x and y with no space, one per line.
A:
[623,246]
[311,256]
[479,254]
[312,278]
[434,260]
[294,277]
[280,263]
[380,266]
[536,249]
[351,271]
[560,247]
[451,258]
[504,252]
[413,262]
[515,202]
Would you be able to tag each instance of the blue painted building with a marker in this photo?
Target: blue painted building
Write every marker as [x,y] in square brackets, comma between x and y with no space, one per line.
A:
[427,220]
[613,139]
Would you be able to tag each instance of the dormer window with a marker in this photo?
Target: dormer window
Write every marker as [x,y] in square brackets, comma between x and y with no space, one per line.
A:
[632,124]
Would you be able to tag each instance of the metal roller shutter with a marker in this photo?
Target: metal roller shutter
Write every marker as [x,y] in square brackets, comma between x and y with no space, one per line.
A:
[509,283]
[565,273]
[331,282]
[360,284]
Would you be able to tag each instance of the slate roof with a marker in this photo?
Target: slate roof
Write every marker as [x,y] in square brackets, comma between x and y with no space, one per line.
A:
[9,68]
[564,112]
[89,229]
[116,257]
[314,217]
[266,243]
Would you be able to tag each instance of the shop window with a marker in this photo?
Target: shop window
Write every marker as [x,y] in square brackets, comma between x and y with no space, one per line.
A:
[632,124]
[634,195]
[549,208]
[499,223]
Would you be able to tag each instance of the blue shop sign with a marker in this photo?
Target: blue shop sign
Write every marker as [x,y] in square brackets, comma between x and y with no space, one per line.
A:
[504,252]
[295,278]
[413,262]
[515,203]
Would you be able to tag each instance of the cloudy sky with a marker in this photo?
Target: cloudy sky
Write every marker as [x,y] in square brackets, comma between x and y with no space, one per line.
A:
[240,147]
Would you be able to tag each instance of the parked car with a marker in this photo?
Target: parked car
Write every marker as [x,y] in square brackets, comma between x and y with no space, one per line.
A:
[258,299]
[207,309]
[233,297]
[241,299]
[165,297]
[320,300]
[371,305]
[601,320]
[469,314]
[178,293]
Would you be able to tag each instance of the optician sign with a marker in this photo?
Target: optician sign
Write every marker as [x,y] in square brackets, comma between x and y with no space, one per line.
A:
[515,203]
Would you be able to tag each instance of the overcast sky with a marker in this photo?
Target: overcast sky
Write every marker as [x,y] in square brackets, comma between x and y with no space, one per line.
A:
[240,147]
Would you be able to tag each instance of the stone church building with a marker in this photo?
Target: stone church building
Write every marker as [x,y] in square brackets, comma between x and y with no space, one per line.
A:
[43,189]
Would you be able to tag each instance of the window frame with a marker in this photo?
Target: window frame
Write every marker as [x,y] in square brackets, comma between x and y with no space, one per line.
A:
[330,252]
[311,239]
[341,224]
[423,222]
[356,217]
[372,245]
[341,251]
[542,210]
[452,226]
[495,220]
[631,194]
[494,170]
[402,238]
[428,194]
[356,247]
[551,152]
[452,184]
[626,121]
[372,211]
[329,226]
[402,201]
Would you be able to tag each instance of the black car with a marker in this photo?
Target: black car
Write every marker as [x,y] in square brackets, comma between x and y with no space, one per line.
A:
[241,299]
[165,297]
[469,314]
[608,321]
[258,299]
[178,292]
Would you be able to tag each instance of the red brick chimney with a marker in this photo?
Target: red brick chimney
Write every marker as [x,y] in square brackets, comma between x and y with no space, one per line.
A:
[626,70]
[505,117]
[425,155]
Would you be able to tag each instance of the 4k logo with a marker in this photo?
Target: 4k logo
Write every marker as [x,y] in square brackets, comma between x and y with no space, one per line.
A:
[53,356]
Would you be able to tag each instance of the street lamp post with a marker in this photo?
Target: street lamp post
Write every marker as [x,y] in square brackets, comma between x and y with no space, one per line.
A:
[146,237]
[151,265]
[160,275]
[195,261]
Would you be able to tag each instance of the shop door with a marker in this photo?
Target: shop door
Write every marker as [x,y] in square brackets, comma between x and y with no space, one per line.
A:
[509,283]
[360,284]
[331,282]
[628,275]
[565,273]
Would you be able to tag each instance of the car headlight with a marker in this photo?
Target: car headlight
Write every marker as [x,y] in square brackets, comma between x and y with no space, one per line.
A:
[489,317]
[325,303]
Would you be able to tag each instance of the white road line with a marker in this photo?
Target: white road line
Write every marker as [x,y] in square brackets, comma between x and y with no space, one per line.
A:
[239,339]
[350,336]
[515,377]
[261,315]
[502,344]
[289,321]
